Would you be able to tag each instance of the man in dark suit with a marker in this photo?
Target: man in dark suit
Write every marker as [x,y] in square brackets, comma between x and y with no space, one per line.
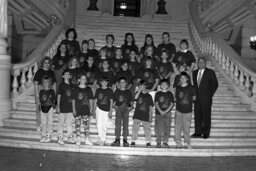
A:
[205,83]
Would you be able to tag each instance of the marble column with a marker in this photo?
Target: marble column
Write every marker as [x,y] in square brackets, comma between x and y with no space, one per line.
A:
[5,65]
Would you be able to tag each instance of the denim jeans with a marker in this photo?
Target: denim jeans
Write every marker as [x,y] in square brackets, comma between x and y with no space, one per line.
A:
[122,116]
[163,127]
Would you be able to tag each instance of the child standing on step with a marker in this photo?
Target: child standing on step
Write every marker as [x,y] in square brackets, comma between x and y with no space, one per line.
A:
[45,70]
[123,105]
[143,113]
[64,107]
[103,107]
[164,102]
[82,109]
[47,102]
[185,94]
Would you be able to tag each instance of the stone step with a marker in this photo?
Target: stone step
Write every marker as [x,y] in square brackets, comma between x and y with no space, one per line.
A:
[195,142]
[132,20]
[218,129]
[140,150]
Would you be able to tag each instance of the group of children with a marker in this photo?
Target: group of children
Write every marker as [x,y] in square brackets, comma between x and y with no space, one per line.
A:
[90,84]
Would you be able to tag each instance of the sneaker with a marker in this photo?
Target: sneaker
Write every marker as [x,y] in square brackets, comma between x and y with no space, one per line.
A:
[116,142]
[188,146]
[102,143]
[42,140]
[88,142]
[125,143]
[148,144]
[178,145]
[78,141]
[39,129]
[158,145]
[71,140]
[165,145]
[60,141]
[133,144]
[47,139]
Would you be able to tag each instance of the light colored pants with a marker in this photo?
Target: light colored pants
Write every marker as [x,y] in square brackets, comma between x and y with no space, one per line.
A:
[182,123]
[136,128]
[46,122]
[68,119]
[102,123]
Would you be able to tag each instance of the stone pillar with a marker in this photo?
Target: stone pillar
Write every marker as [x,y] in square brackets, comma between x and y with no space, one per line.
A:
[5,65]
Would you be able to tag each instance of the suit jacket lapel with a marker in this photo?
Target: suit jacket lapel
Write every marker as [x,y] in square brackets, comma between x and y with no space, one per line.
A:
[203,77]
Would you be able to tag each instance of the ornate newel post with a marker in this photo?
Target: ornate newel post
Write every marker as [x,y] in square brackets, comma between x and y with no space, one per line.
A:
[161,7]
[5,65]
[93,6]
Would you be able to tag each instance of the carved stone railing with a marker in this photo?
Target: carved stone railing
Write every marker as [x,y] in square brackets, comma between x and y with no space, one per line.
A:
[212,45]
[24,72]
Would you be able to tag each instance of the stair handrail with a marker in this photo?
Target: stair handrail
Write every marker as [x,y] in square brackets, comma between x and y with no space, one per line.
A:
[26,70]
[212,44]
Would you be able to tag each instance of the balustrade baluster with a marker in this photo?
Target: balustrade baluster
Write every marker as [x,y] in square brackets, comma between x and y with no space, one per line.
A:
[227,65]
[23,80]
[232,70]
[30,77]
[254,89]
[223,61]
[219,57]
[15,84]
[236,74]
[241,80]
[35,68]
[247,85]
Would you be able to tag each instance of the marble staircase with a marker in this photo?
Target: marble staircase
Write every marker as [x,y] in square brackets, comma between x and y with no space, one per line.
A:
[233,130]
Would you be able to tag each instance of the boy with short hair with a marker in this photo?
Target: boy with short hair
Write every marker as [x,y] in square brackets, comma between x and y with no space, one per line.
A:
[64,107]
[163,102]
[143,113]
[103,107]
[47,101]
[185,94]
[123,105]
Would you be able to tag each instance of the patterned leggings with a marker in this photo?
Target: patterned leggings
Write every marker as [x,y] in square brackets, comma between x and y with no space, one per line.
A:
[81,125]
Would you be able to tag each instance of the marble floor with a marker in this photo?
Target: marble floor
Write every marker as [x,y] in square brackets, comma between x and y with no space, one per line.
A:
[14,159]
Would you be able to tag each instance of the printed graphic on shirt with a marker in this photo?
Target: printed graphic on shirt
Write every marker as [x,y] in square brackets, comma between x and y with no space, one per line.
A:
[83,98]
[142,104]
[164,102]
[121,99]
[68,92]
[183,98]
[46,100]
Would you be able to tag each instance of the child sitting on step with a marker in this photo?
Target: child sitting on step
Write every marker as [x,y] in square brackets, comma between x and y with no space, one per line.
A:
[143,113]
[47,102]
[82,109]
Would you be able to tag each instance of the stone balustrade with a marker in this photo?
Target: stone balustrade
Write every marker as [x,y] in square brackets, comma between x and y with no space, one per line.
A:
[242,77]
[23,73]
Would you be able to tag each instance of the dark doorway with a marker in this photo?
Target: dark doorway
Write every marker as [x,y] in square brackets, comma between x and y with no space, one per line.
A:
[127,8]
